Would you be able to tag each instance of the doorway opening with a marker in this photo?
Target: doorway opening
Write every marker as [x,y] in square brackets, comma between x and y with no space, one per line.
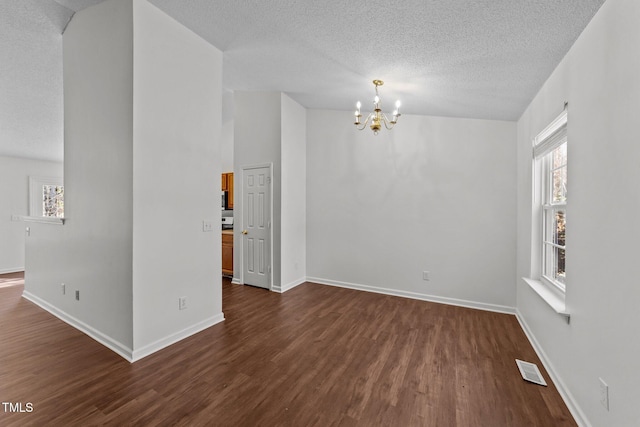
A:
[256,235]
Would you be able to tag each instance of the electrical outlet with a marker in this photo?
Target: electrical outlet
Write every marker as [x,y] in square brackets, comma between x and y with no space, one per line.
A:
[64,288]
[425,275]
[77,295]
[604,394]
[182,303]
[207,226]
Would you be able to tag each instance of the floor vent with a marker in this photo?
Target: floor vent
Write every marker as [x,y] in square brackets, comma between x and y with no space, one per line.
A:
[530,372]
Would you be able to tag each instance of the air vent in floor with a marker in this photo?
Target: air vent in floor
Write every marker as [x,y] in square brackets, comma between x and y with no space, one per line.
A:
[530,372]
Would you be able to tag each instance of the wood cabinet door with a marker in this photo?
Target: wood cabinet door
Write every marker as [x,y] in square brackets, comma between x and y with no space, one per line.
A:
[225,184]
[230,190]
[227,254]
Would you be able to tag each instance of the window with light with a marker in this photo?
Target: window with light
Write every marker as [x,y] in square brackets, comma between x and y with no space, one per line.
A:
[550,176]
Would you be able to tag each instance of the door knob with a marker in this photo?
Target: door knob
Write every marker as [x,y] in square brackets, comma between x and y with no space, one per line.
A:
[244,231]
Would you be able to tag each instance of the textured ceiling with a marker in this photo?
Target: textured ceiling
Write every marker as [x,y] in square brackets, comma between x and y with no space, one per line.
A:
[31,78]
[462,58]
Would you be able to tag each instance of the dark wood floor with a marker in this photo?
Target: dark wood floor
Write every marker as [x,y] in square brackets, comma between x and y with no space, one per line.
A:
[314,356]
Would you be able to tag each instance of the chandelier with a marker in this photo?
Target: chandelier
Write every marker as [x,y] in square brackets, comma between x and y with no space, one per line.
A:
[377,117]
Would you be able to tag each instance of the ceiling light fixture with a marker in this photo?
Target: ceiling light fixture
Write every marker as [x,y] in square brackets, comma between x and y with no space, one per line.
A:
[377,117]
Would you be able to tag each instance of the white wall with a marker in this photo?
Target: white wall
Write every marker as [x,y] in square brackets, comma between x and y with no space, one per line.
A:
[434,194]
[257,140]
[92,252]
[294,187]
[176,172]
[141,172]
[600,78]
[14,188]
[226,138]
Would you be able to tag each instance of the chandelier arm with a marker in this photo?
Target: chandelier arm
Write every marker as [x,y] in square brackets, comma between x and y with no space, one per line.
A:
[387,122]
[366,122]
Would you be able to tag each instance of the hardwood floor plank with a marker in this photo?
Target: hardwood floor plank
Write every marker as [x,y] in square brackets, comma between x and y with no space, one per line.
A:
[316,355]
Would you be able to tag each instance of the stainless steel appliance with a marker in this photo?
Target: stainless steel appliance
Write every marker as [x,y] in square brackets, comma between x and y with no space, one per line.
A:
[227,222]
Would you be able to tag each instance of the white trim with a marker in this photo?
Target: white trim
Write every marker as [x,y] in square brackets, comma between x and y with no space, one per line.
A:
[44,219]
[566,395]
[12,270]
[284,288]
[35,192]
[175,337]
[554,135]
[103,339]
[554,299]
[236,281]
[415,295]
[116,346]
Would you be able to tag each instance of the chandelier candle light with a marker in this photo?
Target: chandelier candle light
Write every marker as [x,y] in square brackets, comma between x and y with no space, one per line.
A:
[377,117]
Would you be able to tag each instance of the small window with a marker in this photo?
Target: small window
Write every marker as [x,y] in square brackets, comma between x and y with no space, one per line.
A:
[46,196]
[550,179]
[53,201]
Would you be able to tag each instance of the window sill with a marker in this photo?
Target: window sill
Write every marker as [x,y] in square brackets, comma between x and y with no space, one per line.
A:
[552,298]
[44,220]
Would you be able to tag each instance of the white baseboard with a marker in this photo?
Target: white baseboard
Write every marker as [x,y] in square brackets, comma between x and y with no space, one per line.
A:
[284,288]
[277,288]
[103,339]
[175,337]
[114,345]
[566,395]
[12,270]
[415,295]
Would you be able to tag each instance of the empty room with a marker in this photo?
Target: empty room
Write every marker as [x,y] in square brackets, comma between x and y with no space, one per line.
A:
[428,213]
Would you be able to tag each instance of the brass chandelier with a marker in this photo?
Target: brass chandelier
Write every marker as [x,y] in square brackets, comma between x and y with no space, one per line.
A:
[377,117]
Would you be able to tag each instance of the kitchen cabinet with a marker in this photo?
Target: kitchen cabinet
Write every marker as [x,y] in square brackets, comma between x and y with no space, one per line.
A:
[227,252]
[227,185]
[225,182]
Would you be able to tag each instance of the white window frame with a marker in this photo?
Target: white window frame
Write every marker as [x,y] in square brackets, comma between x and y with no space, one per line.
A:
[550,290]
[549,209]
[36,213]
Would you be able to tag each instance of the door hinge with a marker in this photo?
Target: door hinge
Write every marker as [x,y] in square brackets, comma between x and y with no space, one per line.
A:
[268,180]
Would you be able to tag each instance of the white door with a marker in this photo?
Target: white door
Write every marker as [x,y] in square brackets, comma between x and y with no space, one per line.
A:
[256,226]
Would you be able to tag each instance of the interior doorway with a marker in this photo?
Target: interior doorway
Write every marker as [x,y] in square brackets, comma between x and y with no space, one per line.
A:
[256,226]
